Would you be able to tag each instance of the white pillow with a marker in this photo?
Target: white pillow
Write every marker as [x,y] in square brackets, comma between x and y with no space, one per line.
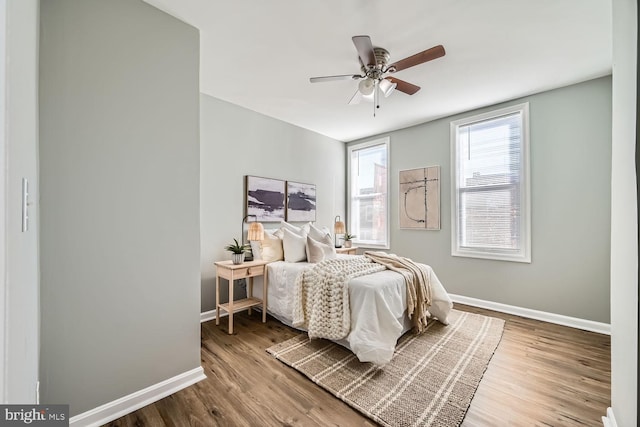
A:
[305,228]
[256,248]
[320,250]
[301,231]
[295,246]
[279,233]
[271,248]
[329,248]
[318,233]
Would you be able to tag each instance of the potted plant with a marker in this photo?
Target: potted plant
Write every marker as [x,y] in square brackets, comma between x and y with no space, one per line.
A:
[237,251]
[347,239]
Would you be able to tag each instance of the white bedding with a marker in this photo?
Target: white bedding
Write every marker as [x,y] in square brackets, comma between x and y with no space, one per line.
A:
[378,307]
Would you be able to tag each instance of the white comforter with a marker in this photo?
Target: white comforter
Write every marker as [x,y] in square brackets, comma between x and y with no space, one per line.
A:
[378,307]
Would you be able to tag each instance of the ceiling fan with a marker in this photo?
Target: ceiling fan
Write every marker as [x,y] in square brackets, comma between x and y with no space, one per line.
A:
[374,78]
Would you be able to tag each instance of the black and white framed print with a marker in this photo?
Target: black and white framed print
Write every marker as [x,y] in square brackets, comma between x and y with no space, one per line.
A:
[301,202]
[265,198]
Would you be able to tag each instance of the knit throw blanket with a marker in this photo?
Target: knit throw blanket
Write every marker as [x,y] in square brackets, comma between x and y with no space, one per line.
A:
[321,296]
[417,277]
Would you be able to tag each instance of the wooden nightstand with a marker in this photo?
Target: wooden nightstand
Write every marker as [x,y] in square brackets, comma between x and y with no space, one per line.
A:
[250,269]
[349,251]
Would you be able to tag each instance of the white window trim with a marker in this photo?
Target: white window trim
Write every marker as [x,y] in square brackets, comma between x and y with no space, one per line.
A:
[380,141]
[525,254]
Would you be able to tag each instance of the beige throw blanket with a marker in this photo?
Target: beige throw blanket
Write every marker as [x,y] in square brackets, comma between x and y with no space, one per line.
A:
[417,279]
[321,296]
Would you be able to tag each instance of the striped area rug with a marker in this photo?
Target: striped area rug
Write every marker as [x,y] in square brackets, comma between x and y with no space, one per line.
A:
[429,382]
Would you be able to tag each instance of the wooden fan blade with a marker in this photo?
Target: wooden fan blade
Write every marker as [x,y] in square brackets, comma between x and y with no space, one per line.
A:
[365,50]
[418,58]
[332,78]
[403,86]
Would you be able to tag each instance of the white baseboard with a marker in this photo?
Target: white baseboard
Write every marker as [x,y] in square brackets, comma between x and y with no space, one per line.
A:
[127,404]
[573,322]
[205,316]
[609,420]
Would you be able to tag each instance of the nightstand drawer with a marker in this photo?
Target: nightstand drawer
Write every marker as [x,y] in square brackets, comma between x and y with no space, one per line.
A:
[353,250]
[226,269]
[249,271]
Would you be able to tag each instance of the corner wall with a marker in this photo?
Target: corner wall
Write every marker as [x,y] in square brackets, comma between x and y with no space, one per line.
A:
[570,147]
[22,270]
[624,216]
[236,142]
[119,173]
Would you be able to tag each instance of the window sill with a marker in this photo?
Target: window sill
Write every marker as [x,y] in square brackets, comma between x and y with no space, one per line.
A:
[493,256]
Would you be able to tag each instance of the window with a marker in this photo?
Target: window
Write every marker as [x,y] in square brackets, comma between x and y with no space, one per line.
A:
[490,210]
[368,193]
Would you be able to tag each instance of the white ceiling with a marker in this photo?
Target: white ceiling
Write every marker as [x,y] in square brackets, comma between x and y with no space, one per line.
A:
[260,54]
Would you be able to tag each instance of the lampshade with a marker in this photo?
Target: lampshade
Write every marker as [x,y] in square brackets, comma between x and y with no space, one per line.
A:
[386,87]
[255,232]
[366,86]
[338,228]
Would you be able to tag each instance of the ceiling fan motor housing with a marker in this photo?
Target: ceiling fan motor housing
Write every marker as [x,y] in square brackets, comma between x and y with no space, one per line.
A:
[376,70]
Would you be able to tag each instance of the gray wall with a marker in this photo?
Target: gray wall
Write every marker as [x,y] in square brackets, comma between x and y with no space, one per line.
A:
[236,142]
[119,168]
[570,143]
[21,135]
[624,216]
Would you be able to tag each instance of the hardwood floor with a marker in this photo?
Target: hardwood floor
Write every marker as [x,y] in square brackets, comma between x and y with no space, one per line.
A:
[541,374]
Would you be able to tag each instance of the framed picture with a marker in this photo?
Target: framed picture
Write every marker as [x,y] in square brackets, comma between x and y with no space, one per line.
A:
[265,198]
[301,202]
[420,198]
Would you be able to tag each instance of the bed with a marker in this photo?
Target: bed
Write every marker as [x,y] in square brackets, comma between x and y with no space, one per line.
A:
[378,307]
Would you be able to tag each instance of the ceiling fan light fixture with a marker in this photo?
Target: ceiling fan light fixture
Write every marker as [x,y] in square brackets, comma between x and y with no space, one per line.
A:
[387,87]
[366,86]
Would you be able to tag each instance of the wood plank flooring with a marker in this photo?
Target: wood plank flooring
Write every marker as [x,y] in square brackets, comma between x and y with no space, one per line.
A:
[541,375]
